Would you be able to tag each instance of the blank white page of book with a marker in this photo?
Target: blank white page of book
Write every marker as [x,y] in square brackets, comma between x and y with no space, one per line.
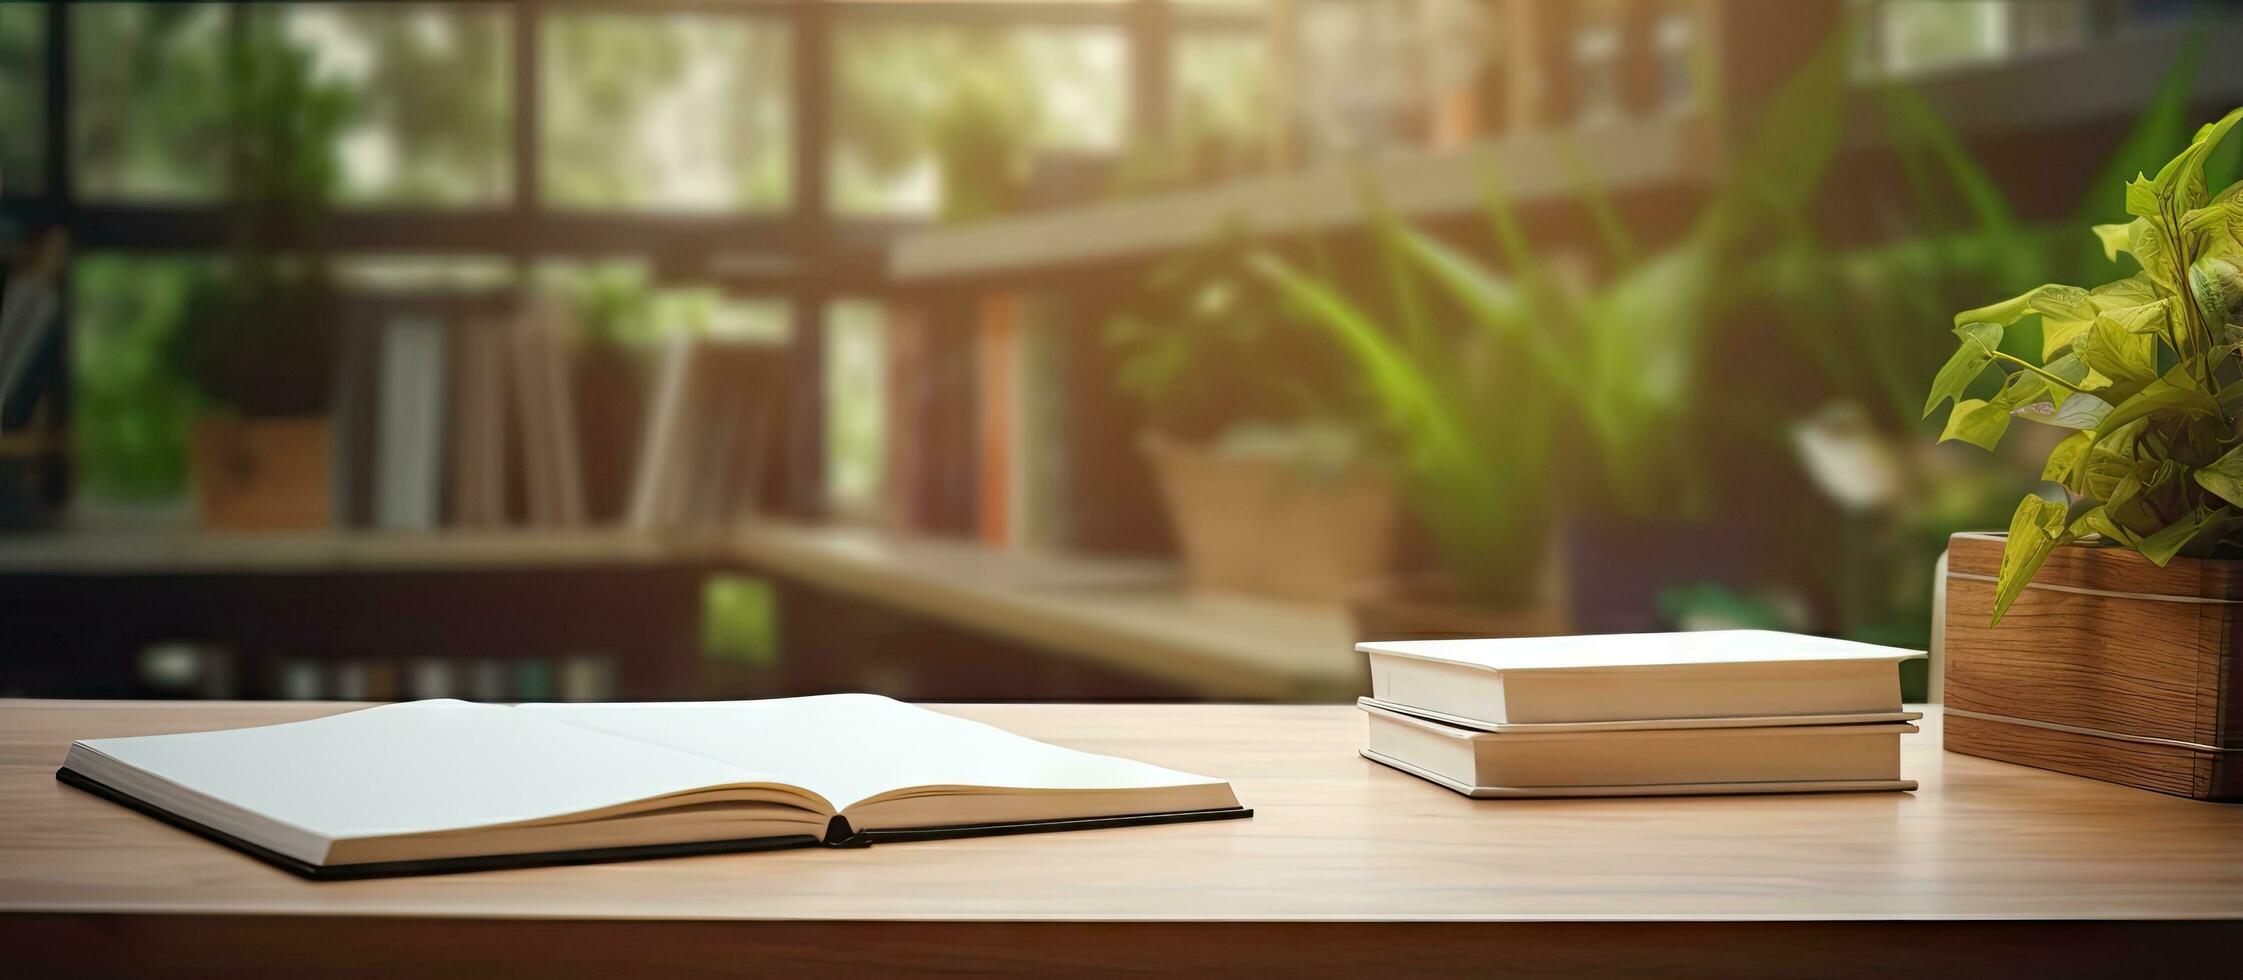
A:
[851,747]
[418,767]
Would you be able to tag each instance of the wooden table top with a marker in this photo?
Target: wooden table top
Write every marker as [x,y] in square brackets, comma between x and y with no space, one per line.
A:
[1334,838]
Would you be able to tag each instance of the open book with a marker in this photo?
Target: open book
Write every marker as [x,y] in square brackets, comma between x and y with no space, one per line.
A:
[430,786]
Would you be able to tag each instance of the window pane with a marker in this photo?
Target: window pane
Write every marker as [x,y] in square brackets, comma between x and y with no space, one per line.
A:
[1923,35]
[148,102]
[914,100]
[1222,109]
[429,92]
[678,111]
[23,76]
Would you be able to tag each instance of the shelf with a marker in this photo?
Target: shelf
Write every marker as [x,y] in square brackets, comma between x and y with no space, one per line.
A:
[296,552]
[1123,613]
[1622,157]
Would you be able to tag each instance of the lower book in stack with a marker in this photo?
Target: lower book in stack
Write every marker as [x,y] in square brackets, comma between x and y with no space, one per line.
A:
[1647,715]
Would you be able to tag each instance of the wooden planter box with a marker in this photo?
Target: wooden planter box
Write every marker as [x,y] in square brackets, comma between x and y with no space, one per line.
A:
[264,473]
[2107,667]
[1261,527]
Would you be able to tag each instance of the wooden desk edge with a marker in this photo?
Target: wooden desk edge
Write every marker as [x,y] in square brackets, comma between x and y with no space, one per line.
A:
[101,945]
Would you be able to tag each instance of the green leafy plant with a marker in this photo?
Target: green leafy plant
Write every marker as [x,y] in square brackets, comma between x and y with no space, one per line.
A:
[1206,346]
[1848,317]
[2142,370]
[259,333]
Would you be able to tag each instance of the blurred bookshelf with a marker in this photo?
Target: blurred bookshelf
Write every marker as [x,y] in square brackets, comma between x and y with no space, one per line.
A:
[708,315]
[590,615]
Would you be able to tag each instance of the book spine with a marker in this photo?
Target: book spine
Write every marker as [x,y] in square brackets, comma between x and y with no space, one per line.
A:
[997,332]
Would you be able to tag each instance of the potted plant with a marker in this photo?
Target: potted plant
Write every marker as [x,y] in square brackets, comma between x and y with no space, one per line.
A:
[1250,432]
[1466,426]
[1845,317]
[258,344]
[257,338]
[1614,354]
[2093,637]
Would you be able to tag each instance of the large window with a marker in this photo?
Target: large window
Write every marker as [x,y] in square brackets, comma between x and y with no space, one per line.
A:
[956,120]
[1222,111]
[597,151]
[665,111]
[22,97]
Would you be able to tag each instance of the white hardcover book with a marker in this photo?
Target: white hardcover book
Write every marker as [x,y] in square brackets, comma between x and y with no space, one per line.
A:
[430,786]
[1636,677]
[1648,724]
[1664,762]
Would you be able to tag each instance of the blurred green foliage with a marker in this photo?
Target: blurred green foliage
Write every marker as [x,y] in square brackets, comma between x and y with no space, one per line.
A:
[740,621]
[133,410]
[902,92]
[432,91]
[149,118]
[665,111]
[1205,346]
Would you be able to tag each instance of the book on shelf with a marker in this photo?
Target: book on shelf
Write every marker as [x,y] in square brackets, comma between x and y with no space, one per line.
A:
[1735,711]
[432,786]
[712,432]
[932,430]
[455,411]
[408,455]
[545,407]
[30,310]
[478,448]
[997,423]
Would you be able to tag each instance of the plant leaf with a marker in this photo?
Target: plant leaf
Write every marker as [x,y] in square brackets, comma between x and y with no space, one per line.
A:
[2160,547]
[2224,477]
[2057,337]
[1976,421]
[2035,529]
[2051,298]
[2151,249]
[2066,457]
[2110,461]
[2081,412]
[2115,238]
[2112,349]
[2141,199]
[2096,521]
[2119,294]
[1966,364]
[2182,180]
[2175,392]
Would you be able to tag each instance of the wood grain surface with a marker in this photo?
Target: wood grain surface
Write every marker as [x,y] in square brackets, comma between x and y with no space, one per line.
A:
[2129,664]
[1338,844]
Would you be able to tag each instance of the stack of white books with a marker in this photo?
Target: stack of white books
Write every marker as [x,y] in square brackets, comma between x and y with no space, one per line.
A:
[1652,714]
